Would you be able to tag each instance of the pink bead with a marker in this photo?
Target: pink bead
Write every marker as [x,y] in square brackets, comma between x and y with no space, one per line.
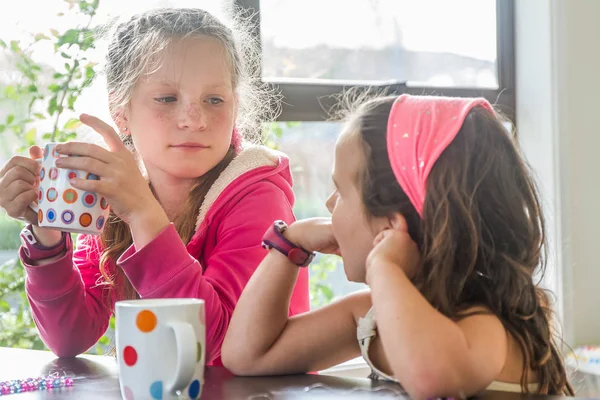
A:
[69,382]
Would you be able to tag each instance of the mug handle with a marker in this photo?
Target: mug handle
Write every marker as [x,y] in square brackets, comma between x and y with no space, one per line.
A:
[185,338]
[34,206]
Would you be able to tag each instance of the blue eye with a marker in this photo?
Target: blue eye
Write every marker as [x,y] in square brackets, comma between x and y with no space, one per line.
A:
[166,99]
[215,101]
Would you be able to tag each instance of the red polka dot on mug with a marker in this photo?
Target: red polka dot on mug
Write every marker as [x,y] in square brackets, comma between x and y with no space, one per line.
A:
[89,199]
[130,356]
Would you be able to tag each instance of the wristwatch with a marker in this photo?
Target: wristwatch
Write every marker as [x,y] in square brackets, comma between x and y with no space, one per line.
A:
[34,250]
[274,239]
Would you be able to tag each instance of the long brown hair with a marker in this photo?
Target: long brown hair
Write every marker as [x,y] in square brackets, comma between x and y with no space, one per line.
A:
[116,237]
[482,234]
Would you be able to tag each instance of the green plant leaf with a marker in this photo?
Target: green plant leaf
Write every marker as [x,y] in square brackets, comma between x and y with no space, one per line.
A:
[54,33]
[71,102]
[89,72]
[10,91]
[65,55]
[53,87]
[30,136]
[3,44]
[14,46]
[40,36]
[39,116]
[47,136]
[4,306]
[71,124]
[52,105]
[9,119]
[70,37]
[57,75]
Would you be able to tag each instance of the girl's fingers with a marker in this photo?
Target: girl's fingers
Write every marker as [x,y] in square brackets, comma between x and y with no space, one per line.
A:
[87,164]
[85,150]
[106,131]
[35,152]
[20,173]
[25,162]
[16,188]
[88,185]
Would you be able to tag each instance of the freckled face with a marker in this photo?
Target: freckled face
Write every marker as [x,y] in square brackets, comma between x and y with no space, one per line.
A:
[181,117]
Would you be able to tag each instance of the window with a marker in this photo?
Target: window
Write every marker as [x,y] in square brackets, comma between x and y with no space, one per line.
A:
[379,41]
[315,49]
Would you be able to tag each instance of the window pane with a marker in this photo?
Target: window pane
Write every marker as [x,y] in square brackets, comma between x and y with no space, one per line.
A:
[310,147]
[427,42]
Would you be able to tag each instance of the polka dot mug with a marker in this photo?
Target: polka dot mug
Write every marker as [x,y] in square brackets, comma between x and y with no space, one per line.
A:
[160,348]
[61,206]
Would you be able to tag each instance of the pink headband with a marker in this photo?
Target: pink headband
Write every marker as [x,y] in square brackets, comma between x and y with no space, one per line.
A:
[419,130]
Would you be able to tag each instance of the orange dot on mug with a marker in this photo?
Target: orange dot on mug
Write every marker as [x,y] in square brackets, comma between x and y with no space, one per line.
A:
[146,321]
[85,220]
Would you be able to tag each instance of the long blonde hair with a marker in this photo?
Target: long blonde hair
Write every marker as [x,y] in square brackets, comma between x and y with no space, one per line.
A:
[136,50]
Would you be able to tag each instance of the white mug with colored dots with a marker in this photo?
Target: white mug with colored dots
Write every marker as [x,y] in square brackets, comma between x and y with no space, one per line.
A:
[63,207]
[160,348]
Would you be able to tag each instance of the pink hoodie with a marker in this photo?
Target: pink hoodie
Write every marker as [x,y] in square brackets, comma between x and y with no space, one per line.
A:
[69,307]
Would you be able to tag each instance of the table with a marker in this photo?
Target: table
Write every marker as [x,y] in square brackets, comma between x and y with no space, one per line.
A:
[96,377]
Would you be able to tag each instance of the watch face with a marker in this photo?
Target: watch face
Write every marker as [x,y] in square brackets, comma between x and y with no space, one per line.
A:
[298,256]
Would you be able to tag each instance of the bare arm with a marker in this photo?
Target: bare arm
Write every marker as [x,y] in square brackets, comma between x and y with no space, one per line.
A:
[262,340]
[430,354]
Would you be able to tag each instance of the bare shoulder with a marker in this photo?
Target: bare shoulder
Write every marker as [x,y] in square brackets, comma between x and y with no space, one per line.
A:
[358,303]
[479,318]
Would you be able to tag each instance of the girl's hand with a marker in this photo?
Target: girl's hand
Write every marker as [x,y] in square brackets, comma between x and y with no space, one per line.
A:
[314,234]
[19,181]
[394,246]
[121,181]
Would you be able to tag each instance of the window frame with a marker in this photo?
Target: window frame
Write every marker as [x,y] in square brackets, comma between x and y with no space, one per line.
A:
[308,101]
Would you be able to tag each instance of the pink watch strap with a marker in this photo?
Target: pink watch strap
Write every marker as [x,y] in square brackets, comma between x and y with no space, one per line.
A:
[33,250]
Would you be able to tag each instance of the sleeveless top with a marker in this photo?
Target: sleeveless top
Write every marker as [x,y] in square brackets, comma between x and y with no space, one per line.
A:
[367,331]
